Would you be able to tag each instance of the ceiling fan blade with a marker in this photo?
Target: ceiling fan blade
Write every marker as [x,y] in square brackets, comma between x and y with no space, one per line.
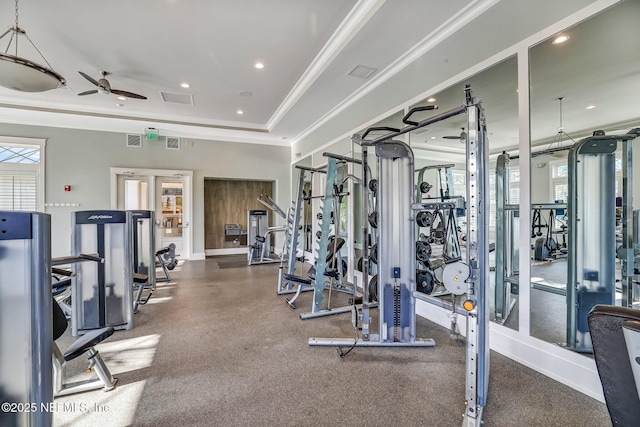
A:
[451,137]
[91,79]
[127,94]
[89,92]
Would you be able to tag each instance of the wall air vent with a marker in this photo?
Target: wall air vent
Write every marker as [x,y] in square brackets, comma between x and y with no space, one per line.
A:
[362,72]
[173,143]
[177,98]
[134,140]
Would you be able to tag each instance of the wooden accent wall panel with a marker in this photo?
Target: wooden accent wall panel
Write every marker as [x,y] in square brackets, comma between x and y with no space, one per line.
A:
[227,202]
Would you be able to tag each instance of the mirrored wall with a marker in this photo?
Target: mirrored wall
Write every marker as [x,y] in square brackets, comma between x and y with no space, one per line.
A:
[440,152]
[583,79]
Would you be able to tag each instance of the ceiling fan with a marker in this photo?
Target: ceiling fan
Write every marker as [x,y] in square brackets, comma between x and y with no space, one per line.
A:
[104,87]
[462,137]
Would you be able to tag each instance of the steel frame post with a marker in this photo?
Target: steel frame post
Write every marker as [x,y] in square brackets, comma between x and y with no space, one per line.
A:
[477,345]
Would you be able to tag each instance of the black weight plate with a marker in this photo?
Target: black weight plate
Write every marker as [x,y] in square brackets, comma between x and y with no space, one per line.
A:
[423,251]
[424,218]
[373,254]
[373,289]
[425,187]
[424,281]
[373,219]
[373,185]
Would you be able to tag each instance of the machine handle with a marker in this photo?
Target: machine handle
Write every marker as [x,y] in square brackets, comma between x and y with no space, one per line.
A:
[406,120]
[376,128]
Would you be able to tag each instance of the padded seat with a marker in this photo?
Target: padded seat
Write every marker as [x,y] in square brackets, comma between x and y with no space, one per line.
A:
[87,341]
[81,345]
[163,251]
[297,279]
[140,278]
[612,359]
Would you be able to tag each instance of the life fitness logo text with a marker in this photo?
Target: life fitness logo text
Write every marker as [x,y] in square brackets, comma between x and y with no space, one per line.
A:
[100,217]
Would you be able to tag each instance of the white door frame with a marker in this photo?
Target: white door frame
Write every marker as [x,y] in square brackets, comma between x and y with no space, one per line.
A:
[152,174]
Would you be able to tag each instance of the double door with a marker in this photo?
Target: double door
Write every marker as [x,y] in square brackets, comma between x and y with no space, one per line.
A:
[167,193]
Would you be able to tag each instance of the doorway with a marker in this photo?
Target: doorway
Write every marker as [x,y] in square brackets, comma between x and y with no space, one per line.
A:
[226,204]
[167,193]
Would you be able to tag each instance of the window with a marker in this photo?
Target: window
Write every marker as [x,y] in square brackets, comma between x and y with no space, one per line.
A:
[514,185]
[21,174]
[18,192]
[560,181]
[459,183]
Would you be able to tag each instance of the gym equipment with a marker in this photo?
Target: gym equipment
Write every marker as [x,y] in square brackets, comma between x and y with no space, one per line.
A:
[506,243]
[259,252]
[102,292]
[396,277]
[327,249]
[268,201]
[306,283]
[591,231]
[631,330]
[167,261]
[629,250]
[25,317]
[144,271]
[81,346]
[536,224]
[547,248]
[615,335]
[259,240]
[433,229]
[373,219]
[444,186]
[293,227]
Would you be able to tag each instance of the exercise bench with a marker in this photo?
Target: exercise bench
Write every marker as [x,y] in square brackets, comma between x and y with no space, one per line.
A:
[86,344]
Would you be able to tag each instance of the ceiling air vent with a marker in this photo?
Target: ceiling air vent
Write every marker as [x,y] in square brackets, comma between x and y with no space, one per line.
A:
[177,98]
[362,72]
[134,140]
[173,143]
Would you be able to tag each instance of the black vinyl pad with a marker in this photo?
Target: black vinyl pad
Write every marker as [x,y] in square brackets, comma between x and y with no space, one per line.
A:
[612,360]
[140,278]
[59,321]
[87,341]
[296,279]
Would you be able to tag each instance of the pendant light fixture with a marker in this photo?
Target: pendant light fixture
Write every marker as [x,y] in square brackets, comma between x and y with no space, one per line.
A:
[22,74]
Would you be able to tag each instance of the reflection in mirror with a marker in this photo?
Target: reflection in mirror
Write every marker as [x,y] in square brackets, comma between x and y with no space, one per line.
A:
[582,231]
[301,189]
[440,170]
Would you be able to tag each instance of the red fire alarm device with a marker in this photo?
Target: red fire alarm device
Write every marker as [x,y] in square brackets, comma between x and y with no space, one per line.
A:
[67,188]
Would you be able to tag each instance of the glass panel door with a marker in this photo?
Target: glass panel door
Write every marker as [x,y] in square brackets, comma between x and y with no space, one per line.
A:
[170,222]
[133,193]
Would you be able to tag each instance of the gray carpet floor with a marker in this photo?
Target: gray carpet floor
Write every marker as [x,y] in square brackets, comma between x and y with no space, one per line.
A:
[217,347]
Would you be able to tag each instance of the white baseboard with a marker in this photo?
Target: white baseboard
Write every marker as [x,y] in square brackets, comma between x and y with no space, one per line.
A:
[225,251]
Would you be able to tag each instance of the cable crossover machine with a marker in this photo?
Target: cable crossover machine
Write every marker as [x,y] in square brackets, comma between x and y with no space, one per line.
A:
[396,251]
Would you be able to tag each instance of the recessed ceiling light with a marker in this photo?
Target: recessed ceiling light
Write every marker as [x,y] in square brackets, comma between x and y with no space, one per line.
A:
[246,93]
[432,99]
[433,137]
[185,85]
[122,98]
[259,65]
[240,112]
[590,107]
[560,39]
